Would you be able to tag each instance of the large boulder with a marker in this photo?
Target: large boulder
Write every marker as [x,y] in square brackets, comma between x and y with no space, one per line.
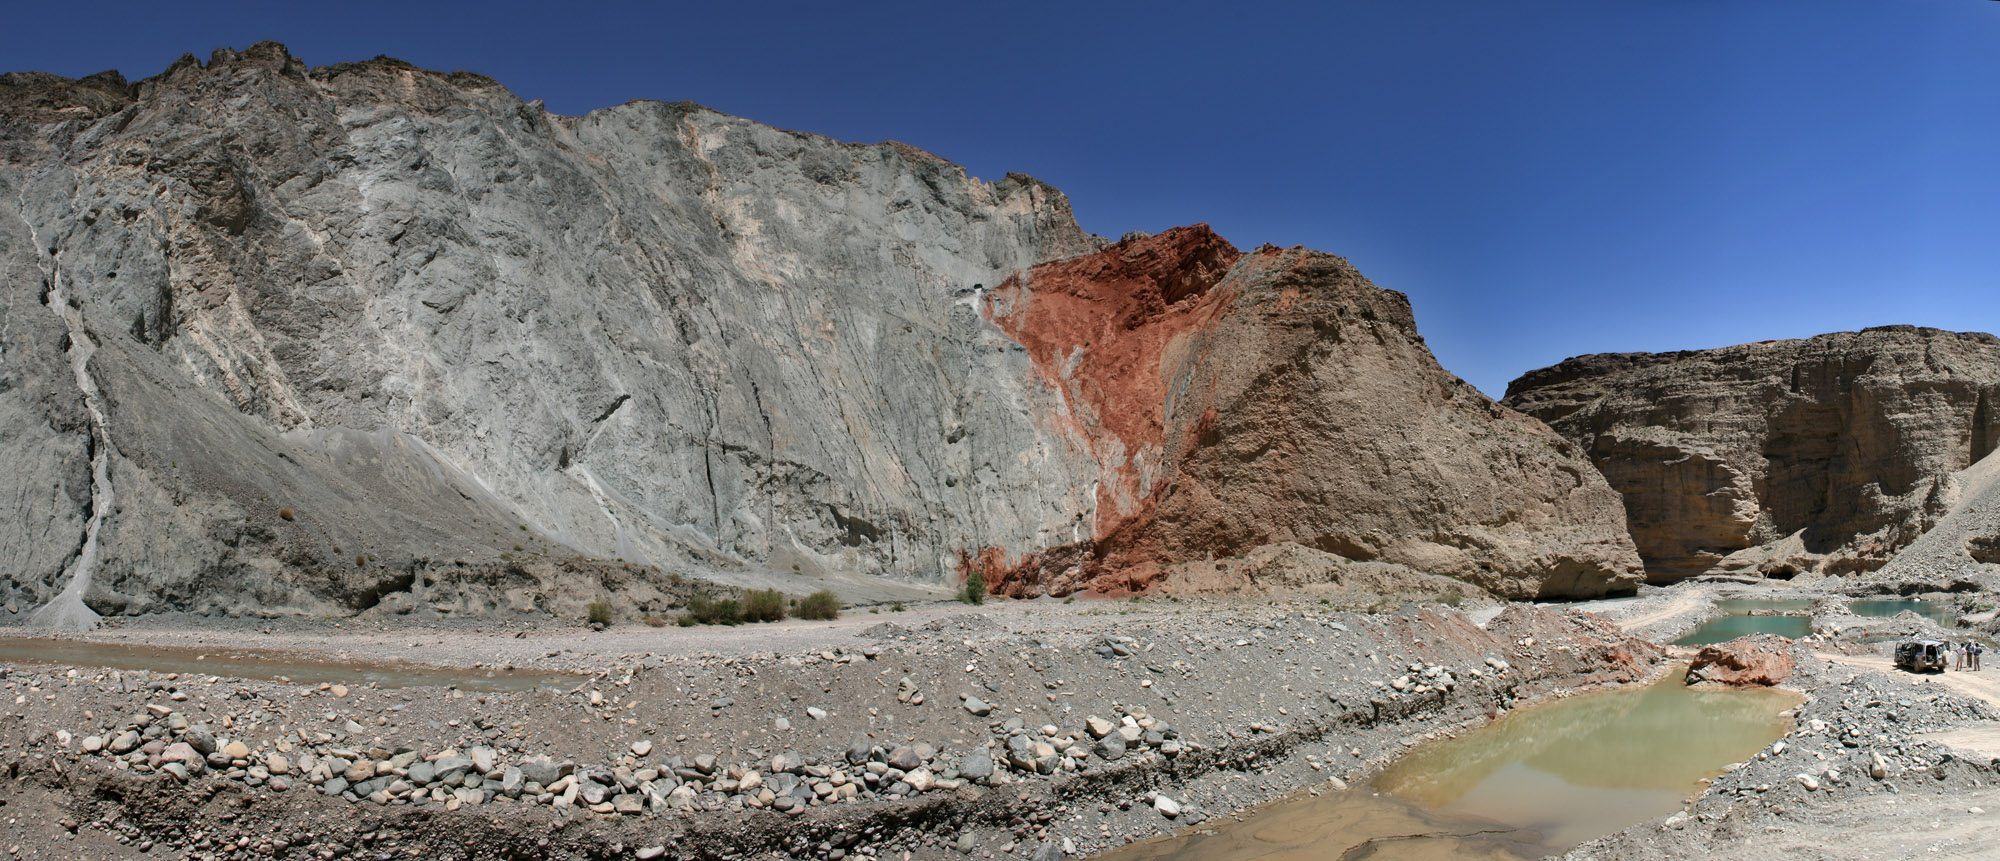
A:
[1757,660]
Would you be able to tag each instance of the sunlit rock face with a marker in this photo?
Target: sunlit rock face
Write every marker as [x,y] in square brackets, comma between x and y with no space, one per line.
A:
[367,334]
[1236,400]
[1821,455]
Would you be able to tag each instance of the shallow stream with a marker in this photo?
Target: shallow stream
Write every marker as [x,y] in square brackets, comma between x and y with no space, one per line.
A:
[1536,782]
[248,664]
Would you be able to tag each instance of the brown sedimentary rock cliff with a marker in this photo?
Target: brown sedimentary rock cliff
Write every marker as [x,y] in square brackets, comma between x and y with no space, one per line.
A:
[1279,397]
[1822,455]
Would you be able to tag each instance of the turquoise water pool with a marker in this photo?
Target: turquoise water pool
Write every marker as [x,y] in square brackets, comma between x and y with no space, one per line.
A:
[1940,613]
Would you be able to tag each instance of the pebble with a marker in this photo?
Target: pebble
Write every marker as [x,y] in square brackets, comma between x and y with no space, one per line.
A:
[642,747]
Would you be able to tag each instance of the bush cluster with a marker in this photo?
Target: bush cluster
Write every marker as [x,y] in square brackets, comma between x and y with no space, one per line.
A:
[706,609]
[823,604]
[974,591]
[763,605]
[758,605]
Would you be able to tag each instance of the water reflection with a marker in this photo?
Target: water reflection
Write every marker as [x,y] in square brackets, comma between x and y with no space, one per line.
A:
[1587,766]
[1736,621]
[1536,782]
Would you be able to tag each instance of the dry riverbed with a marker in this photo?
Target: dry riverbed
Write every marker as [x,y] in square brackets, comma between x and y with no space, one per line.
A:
[1015,729]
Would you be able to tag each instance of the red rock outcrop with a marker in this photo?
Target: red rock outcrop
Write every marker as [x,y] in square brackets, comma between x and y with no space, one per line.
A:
[1235,401]
[1758,660]
[1098,328]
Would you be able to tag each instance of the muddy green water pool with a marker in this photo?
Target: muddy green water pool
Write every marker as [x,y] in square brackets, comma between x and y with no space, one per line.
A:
[1536,782]
[250,664]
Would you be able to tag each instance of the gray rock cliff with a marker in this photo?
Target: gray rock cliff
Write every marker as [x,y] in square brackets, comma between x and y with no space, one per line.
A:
[279,339]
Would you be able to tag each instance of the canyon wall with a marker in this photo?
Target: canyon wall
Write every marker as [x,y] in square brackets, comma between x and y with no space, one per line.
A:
[1235,401]
[291,339]
[1821,455]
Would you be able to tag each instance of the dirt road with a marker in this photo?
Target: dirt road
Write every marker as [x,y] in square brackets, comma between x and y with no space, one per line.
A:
[1983,685]
[1676,605]
[1983,739]
[1926,825]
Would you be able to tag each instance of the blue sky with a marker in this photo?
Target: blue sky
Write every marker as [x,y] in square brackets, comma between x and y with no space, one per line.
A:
[1544,179]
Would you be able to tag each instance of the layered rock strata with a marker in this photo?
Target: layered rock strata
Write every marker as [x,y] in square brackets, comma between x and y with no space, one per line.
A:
[291,339]
[1821,455]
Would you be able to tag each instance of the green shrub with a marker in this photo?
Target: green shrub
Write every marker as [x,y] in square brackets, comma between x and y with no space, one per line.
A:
[763,605]
[975,588]
[1452,596]
[823,604]
[896,607]
[705,609]
[599,612]
[728,612]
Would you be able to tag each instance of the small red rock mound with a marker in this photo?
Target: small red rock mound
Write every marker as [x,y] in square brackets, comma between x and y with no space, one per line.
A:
[1759,660]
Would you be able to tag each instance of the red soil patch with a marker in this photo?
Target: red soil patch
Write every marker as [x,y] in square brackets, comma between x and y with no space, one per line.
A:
[1096,328]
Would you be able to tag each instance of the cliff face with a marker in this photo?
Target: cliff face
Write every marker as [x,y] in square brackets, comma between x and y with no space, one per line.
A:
[1279,397]
[1825,454]
[309,340]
